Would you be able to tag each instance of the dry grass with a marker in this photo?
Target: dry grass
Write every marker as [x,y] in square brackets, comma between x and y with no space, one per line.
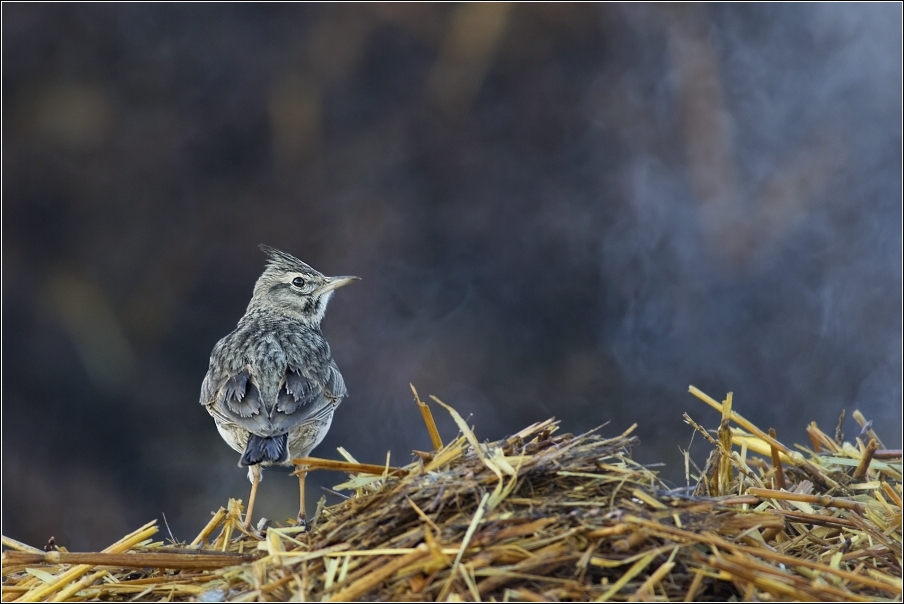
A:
[538,516]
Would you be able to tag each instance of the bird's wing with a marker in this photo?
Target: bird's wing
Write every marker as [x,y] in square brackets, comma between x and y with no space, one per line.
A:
[334,385]
[313,412]
[213,381]
[236,393]
[298,391]
[256,424]
[307,396]
[238,401]
[230,389]
[222,368]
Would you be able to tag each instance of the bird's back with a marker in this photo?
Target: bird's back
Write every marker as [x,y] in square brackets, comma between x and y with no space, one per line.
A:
[270,377]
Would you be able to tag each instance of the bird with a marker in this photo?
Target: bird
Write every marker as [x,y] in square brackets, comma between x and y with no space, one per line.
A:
[272,385]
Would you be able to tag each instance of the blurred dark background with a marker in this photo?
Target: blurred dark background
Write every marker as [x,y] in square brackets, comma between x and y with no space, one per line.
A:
[557,210]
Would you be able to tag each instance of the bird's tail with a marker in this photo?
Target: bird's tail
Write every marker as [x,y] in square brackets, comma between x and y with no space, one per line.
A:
[269,449]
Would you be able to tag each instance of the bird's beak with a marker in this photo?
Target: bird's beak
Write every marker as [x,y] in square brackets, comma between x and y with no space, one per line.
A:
[335,283]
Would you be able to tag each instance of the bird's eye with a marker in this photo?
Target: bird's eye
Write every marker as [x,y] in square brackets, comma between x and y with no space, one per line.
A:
[298,282]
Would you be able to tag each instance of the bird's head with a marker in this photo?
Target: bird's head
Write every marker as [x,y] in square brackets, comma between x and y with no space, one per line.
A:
[290,287]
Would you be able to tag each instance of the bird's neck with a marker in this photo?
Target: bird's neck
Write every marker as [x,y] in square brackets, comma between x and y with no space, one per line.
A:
[288,313]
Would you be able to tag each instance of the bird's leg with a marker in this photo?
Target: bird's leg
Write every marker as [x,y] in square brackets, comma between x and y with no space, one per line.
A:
[302,474]
[254,473]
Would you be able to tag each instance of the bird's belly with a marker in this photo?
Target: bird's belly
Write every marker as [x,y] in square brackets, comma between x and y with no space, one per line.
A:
[235,436]
[302,439]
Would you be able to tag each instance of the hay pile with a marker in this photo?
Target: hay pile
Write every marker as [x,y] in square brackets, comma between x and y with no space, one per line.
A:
[538,516]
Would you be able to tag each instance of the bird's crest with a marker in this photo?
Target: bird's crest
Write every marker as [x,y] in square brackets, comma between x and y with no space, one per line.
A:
[280,260]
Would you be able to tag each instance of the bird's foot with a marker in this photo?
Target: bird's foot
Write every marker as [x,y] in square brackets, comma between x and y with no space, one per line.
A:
[255,531]
[262,525]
